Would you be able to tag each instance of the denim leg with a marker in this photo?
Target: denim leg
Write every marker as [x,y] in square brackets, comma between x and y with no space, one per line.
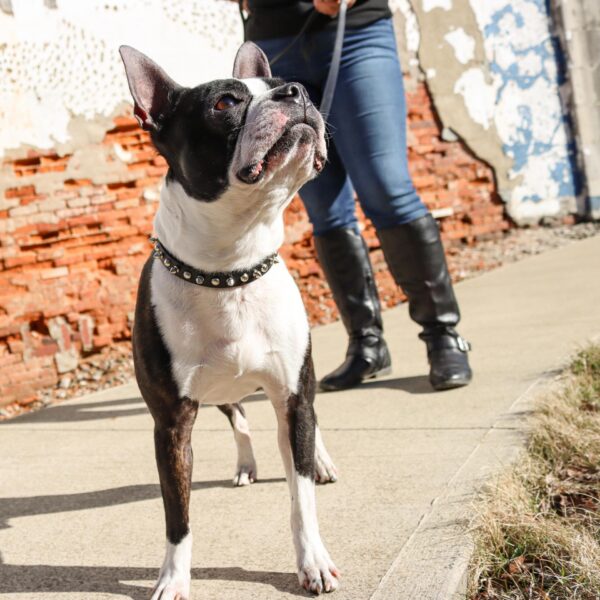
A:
[368,117]
[328,199]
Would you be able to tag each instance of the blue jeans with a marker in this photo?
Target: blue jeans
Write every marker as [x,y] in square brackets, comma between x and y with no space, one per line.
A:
[367,151]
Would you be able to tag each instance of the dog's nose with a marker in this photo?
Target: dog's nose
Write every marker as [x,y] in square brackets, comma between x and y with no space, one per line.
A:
[291,92]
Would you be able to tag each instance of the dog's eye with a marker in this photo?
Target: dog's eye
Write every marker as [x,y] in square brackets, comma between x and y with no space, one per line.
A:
[226,102]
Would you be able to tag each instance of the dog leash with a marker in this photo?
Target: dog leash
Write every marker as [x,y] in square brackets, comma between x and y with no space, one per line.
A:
[336,57]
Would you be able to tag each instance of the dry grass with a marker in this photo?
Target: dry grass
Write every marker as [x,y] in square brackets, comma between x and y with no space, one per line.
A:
[538,533]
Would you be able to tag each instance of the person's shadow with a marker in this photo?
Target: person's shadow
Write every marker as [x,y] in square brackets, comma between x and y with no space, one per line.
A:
[72,412]
[76,412]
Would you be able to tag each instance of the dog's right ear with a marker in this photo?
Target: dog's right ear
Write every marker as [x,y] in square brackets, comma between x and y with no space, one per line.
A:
[251,61]
[149,85]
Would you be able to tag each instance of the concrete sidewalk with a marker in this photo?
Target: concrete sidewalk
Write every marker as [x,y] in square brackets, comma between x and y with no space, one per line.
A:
[80,509]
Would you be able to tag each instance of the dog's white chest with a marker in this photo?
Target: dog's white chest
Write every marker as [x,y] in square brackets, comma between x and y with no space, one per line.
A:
[224,344]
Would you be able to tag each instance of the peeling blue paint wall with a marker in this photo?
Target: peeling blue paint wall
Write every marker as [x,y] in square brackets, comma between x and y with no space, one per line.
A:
[527,68]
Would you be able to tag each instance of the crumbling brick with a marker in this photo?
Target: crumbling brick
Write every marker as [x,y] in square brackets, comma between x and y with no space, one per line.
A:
[70,258]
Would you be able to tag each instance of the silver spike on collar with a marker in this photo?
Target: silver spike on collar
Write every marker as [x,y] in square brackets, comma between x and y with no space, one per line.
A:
[225,279]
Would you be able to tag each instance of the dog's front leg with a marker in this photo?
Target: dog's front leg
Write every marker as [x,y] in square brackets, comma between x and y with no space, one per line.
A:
[172,440]
[296,436]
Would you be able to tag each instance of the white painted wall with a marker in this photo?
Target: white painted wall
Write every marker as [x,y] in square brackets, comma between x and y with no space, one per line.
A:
[60,63]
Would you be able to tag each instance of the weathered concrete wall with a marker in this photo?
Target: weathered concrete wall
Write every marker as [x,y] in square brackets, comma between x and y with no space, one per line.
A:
[454,61]
[79,180]
[581,19]
[495,73]
[492,68]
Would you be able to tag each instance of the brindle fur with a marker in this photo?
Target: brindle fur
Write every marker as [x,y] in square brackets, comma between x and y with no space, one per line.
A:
[302,419]
[173,415]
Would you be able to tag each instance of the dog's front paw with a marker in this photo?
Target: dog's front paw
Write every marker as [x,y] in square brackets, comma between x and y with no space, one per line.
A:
[245,474]
[174,577]
[325,471]
[317,573]
[171,587]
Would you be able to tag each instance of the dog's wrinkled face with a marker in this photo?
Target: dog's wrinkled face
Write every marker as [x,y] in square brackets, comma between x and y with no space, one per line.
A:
[250,130]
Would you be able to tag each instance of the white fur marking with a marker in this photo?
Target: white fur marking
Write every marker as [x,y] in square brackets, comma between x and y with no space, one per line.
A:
[174,577]
[256,86]
[316,571]
[226,343]
[236,231]
[246,464]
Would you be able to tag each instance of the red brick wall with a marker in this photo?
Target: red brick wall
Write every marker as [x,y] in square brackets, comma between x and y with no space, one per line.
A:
[446,176]
[70,257]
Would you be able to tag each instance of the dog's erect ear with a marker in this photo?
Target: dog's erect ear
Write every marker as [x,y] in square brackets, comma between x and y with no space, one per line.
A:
[150,87]
[251,61]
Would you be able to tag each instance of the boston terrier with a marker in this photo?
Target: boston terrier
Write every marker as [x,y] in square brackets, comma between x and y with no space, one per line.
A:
[218,315]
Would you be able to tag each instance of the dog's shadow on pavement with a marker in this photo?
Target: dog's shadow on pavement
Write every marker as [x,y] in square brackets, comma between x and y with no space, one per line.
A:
[123,581]
[73,412]
[27,506]
[83,411]
[31,579]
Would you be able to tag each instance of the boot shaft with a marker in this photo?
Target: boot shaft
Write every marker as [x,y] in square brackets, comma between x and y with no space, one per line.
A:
[415,256]
[344,258]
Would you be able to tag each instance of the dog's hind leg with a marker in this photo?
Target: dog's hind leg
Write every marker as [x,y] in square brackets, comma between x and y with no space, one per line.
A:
[296,425]
[325,470]
[245,472]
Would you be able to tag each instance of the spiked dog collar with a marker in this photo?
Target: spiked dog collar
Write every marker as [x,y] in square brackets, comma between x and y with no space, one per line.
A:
[227,279]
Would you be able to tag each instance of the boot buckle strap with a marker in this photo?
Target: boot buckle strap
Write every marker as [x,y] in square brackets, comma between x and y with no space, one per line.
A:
[448,341]
[463,345]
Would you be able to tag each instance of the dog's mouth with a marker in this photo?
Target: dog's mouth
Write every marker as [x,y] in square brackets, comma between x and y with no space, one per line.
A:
[293,133]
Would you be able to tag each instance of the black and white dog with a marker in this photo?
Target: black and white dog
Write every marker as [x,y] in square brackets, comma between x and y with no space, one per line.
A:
[218,315]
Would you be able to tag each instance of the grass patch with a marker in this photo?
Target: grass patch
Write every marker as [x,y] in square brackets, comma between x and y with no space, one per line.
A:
[538,533]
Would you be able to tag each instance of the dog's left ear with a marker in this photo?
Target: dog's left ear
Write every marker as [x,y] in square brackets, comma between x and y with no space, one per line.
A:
[152,89]
[251,61]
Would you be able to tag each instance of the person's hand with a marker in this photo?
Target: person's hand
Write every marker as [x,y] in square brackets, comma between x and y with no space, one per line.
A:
[330,7]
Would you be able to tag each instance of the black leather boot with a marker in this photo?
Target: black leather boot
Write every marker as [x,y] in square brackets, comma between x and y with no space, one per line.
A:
[415,256]
[344,258]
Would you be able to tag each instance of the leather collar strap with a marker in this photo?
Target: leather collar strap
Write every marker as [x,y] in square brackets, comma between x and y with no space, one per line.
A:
[227,279]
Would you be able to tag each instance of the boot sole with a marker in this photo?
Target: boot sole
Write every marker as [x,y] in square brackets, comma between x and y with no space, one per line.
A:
[450,385]
[380,373]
